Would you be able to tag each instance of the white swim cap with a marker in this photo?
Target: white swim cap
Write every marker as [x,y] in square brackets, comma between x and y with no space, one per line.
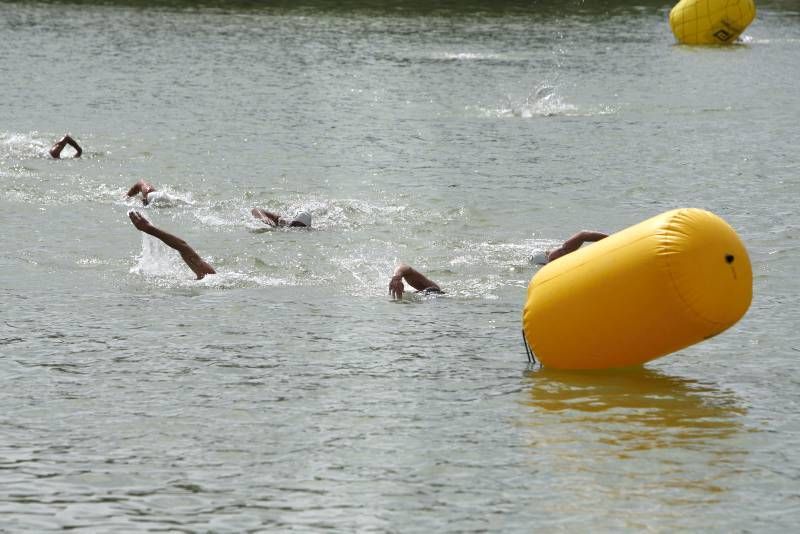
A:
[540,258]
[302,217]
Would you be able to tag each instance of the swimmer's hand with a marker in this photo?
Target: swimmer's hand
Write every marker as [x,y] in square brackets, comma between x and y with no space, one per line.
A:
[396,287]
[412,277]
[139,221]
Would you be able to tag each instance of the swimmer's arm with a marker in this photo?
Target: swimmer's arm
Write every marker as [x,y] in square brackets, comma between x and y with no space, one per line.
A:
[192,258]
[415,279]
[574,243]
[141,187]
[76,146]
[266,216]
[59,145]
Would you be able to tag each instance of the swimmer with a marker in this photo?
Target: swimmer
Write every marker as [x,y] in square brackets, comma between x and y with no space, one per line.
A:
[141,187]
[415,279]
[154,197]
[301,219]
[56,149]
[192,258]
[570,245]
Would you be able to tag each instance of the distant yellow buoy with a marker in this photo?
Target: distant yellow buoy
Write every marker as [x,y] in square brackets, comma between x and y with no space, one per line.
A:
[651,289]
[704,22]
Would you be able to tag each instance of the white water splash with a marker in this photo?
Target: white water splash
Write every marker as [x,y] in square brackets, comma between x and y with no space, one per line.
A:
[169,199]
[543,101]
[469,56]
[159,260]
[164,267]
[23,146]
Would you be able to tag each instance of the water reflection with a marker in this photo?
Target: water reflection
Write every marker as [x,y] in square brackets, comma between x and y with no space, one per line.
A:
[632,442]
[638,408]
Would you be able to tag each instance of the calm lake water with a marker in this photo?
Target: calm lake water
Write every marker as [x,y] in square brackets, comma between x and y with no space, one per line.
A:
[289,392]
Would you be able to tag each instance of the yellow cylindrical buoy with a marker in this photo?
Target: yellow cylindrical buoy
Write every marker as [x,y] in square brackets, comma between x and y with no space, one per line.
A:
[703,22]
[651,289]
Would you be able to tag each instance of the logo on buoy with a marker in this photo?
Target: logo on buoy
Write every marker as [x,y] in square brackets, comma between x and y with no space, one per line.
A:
[722,35]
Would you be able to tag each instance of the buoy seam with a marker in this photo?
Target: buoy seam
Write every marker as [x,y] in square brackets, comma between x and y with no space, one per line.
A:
[675,286]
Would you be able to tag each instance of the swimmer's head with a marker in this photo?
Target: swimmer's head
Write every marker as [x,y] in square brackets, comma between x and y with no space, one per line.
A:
[302,218]
[540,258]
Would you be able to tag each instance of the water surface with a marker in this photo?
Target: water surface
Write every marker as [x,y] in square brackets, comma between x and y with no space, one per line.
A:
[289,392]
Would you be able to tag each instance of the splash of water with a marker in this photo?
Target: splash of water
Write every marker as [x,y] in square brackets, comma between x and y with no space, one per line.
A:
[543,101]
[22,146]
[163,267]
[158,260]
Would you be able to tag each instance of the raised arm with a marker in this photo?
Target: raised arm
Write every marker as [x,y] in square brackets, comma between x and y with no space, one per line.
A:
[574,243]
[415,279]
[192,258]
[59,145]
[141,187]
[267,217]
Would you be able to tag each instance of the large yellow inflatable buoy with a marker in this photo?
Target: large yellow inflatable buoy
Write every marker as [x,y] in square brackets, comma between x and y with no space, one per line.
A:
[710,21]
[651,289]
